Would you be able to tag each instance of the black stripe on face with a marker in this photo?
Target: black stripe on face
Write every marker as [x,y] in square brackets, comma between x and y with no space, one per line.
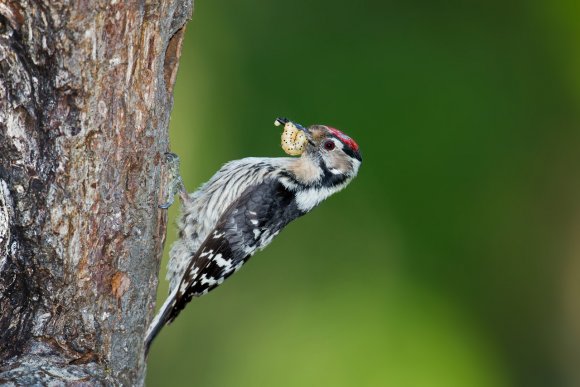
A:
[352,153]
[330,179]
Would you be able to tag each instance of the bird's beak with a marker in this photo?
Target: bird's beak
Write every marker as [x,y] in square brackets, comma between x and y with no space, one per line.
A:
[283,121]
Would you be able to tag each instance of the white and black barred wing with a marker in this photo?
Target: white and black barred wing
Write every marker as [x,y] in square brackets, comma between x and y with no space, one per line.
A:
[248,225]
[202,210]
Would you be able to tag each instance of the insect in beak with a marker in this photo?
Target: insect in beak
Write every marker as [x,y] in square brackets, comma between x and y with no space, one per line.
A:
[294,137]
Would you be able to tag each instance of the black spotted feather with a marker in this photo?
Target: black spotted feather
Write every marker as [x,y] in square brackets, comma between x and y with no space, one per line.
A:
[249,224]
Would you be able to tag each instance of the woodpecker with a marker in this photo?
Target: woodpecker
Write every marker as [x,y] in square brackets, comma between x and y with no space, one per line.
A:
[245,205]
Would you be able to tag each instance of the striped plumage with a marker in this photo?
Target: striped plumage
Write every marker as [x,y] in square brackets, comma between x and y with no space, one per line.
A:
[243,207]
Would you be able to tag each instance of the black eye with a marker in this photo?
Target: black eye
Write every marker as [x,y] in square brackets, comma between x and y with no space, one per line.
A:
[329,145]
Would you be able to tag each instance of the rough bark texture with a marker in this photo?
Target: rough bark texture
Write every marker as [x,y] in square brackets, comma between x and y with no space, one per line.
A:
[85,98]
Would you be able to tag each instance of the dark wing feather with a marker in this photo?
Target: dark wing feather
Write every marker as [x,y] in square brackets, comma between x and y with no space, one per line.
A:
[248,225]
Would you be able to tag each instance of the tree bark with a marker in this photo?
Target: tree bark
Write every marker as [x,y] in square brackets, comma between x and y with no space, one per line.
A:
[85,98]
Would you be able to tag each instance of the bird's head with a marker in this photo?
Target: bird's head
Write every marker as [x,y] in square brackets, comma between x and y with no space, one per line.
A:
[336,154]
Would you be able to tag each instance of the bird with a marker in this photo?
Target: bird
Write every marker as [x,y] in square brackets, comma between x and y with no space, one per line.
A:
[245,205]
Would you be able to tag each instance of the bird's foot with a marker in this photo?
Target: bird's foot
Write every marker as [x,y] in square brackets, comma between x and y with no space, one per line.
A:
[175,183]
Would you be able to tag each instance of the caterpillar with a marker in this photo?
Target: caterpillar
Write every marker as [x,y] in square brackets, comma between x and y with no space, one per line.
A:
[293,137]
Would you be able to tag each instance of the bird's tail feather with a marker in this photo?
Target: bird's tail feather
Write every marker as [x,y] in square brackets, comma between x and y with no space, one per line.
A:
[160,320]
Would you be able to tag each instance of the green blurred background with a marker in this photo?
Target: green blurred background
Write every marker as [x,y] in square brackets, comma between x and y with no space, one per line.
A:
[454,258]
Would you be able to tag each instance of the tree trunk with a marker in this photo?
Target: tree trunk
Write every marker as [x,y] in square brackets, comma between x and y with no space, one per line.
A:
[85,98]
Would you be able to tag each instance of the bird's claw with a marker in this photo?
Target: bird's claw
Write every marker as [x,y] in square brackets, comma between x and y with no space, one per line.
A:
[175,184]
[167,204]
